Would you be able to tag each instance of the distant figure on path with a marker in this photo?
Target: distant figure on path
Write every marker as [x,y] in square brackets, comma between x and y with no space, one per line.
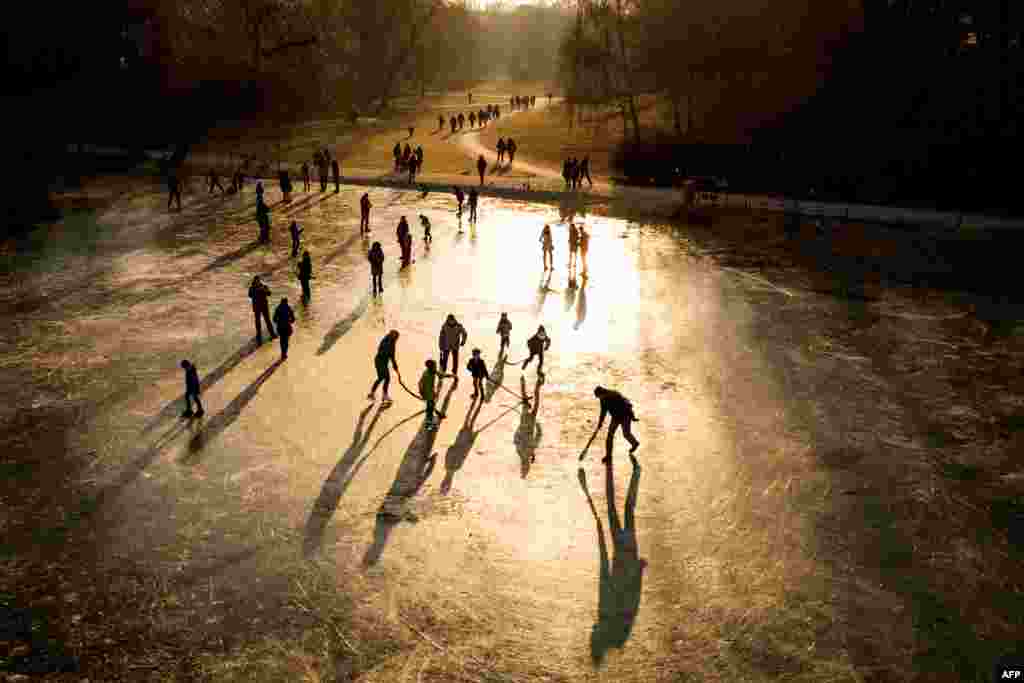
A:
[501,150]
[615,404]
[452,337]
[173,189]
[263,220]
[305,176]
[260,295]
[402,232]
[504,332]
[566,173]
[440,121]
[425,222]
[323,169]
[469,95]
[585,170]
[376,258]
[397,151]
[537,345]
[286,185]
[459,196]
[481,167]
[364,213]
[305,274]
[284,318]
[462,120]
[336,170]
[472,119]
[191,390]
[511,146]
[259,191]
[295,231]
[452,123]
[385,356]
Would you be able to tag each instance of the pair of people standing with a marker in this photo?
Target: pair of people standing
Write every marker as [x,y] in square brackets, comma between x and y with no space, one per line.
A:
[284,317]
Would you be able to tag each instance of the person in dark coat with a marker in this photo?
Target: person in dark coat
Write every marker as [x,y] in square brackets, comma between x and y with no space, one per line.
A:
[462,120]
[295,231]
[173,189]
[385,356]
[397,151]
[425,222]
[440,121]
[376,258]
[501,150]
[472,119]
[284,318]
[452,123]
[364,213]
[402,232]
[413,165]
[473,198]
[323,168]
[459,197]
[566,173]
[305,176]
[510,146]
[191,390]
[419,158]
[286,185]
[481,167]
[585,170]
[263,220]
[504,331]
[452,337]
[259,191]
[478,369]
[615,404]
[336,171]
[538,344]
[305,274]
[260,295]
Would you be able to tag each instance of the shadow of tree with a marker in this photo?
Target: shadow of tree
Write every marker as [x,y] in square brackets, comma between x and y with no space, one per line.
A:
[622,577]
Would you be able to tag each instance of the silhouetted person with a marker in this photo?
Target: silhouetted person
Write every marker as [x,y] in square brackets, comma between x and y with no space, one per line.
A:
[504,332]
[364,213]
[305,274]
[454,122]
[621,576]
[538,344]
[584,246]
[574,243]
[215,181]
[407,249]
[621,410]
[478,369]
[385,356]
[574,172]
[511,147]
[459,197]
[285,181]
[501,150]
[425,222]
[401,233]
[260,295]
[440,122]
[406,153]
[549,98]
[419,157]
[397,151]
[173,189]
[259,191]
[428,390]
[547,247]
[305,176]
[323,168]
[191,390]
[336,171]
[295,231]
[473,199]
[566,173]
[472,119]
[263,220]
[453,336]
[585,170]
[469,96]
[376,258]
[284,318]
[481,167]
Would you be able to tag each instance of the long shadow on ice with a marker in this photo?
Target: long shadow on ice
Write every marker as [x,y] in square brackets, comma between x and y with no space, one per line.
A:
[416,467]
[528,434]
[226,417]
[457,453]
[343,326]
[336,483]
[622,577]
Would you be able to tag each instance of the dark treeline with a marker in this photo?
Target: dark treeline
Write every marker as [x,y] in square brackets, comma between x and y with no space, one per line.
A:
[915,102]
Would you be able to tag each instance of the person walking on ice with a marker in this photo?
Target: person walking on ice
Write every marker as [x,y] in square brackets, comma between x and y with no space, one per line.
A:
[478,369]
[615,404]
[305,274]
[537,345]
[336,171]
[425,222]
[295,231]
[473,198]
[481,168]
[428,391]
[284,318]
[385,356]
[376,258]
[501,150]
[504,331]
[364,213]
[547,247]
[459,197]
[260,295]
[453,336]
[305,176]
[191,390]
